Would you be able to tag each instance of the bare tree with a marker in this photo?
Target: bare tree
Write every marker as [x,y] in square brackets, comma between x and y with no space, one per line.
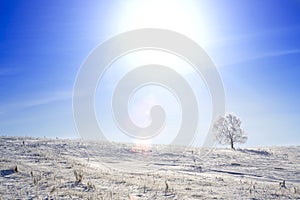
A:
[227,130]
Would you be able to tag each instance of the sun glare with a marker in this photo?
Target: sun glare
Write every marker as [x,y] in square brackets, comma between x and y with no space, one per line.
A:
[186,17]
[189,18]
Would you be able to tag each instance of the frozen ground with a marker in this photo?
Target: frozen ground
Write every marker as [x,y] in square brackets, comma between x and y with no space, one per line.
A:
[47,169]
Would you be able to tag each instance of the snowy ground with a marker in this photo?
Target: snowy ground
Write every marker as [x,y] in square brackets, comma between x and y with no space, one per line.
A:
[47,169]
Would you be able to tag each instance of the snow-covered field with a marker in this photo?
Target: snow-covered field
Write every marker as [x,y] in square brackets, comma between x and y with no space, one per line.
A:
[33,168]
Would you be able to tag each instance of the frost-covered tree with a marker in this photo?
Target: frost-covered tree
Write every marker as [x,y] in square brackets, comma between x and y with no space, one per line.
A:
[227,130]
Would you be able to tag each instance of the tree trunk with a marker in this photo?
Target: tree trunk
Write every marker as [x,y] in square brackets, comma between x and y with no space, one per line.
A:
[231,143]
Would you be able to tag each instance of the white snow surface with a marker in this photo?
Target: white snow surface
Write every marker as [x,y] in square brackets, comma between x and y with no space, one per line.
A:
[45,170]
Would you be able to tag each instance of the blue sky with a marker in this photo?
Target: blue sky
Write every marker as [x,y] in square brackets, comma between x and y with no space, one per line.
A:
[255,45]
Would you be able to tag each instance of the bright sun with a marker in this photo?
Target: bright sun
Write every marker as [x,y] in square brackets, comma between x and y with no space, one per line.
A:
[186,17]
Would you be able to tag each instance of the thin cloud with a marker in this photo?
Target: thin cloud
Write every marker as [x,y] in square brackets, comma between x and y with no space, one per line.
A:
[228,40]
[264,55]
[11,107]
[234,45]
